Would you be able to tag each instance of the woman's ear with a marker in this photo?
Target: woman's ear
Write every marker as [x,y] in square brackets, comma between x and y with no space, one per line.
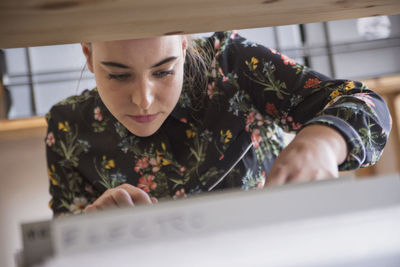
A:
[87,51]
[184,45]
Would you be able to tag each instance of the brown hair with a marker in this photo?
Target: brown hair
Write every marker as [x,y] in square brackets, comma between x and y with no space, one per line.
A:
[196,69]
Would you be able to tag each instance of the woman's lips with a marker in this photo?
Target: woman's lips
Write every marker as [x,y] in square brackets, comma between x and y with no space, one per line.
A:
[143,118]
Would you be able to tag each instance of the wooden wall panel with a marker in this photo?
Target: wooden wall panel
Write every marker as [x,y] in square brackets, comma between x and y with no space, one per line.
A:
[46,22]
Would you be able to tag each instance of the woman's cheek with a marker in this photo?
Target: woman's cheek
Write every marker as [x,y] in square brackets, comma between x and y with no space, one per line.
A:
[175,88]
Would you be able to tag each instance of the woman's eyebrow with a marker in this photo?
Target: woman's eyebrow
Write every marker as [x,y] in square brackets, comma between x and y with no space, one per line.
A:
[122,66]
[168,59]
[115,64]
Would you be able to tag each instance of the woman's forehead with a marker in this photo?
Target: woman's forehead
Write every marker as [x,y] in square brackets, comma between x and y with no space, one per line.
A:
[138,53]
[155,43]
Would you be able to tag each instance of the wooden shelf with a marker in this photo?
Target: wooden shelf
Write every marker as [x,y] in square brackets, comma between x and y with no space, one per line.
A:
[23,128]
[384,85]
[46,22]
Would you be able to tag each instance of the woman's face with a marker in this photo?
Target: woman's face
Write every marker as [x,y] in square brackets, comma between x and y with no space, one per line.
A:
[139,80]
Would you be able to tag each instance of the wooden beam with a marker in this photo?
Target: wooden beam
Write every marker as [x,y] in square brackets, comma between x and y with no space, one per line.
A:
[22,128]
[47,22]
[384,85]
[392,101]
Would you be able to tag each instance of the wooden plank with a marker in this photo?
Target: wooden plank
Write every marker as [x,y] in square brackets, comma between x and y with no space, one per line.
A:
[22,124]
[47,22]
[393,104]
[385,84]
[22,128]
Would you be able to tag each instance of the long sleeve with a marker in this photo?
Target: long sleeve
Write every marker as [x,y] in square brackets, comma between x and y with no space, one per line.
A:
[295,96]
[69,193]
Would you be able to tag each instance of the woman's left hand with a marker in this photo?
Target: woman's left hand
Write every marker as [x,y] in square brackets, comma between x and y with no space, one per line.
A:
[314,154]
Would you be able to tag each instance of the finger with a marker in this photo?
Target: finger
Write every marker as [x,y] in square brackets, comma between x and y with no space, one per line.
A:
[154,200]
[121,197]
[326,174]
[90,208]
[138,195]
[275,180]
[294,179]
[105,201]
[277,176]
[309,175]
[301,176]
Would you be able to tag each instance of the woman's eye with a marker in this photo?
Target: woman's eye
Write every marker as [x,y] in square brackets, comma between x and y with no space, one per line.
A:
[161,74]
[118,77]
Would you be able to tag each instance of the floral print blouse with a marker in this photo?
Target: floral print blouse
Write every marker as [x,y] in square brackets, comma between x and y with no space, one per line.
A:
[227,138]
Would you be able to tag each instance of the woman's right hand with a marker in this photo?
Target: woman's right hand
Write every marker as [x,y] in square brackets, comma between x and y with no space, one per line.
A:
[124,195]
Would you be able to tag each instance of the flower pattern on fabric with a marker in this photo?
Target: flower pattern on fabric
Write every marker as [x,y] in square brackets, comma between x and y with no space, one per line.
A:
[253,94]
[78,205]
[146,183]
[50,140]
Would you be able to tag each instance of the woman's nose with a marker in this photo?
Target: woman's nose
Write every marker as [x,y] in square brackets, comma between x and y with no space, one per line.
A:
[142,95]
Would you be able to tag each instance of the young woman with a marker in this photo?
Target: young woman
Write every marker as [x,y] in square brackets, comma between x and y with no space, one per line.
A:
[172,117]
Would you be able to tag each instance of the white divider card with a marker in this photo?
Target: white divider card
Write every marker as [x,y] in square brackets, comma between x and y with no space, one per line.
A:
[222,213]
[358,239]
[36,238]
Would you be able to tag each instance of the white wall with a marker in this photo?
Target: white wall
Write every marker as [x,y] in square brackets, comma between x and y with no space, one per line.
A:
[23,192]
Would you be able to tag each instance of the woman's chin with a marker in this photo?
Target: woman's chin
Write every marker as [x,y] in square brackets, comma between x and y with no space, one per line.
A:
[144,131]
